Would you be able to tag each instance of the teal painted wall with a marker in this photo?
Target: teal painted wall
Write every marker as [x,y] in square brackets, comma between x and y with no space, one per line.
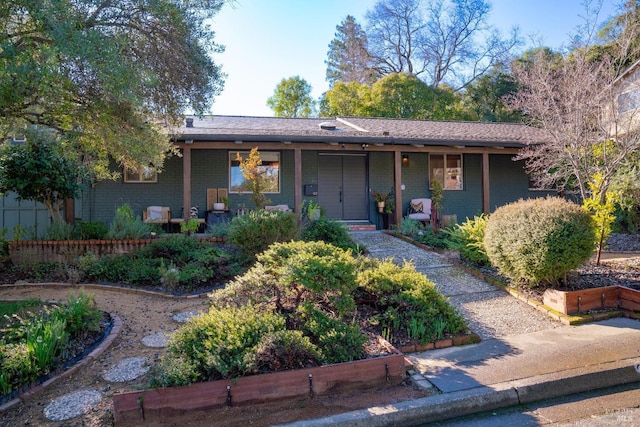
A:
[508,182]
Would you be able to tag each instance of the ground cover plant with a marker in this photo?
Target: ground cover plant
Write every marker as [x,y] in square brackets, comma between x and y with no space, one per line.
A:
[36,338]
[306,304]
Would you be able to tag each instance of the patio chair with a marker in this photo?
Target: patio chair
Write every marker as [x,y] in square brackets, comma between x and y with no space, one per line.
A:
[156,215]
[420,210]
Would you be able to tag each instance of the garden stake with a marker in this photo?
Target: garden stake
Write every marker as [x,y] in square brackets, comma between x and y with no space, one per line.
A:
[579,301]
[603,300]
[386,369]
[229,396]
[140,404]
[311,386]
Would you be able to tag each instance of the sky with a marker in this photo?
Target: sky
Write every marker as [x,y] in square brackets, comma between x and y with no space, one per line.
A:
[270,40]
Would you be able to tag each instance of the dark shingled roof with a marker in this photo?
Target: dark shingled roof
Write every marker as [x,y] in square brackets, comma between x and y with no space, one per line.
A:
[360,130]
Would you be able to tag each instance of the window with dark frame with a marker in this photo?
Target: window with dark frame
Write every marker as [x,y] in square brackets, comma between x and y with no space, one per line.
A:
[447,168]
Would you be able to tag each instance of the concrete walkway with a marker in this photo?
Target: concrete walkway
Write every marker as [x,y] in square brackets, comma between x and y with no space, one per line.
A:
[523,356]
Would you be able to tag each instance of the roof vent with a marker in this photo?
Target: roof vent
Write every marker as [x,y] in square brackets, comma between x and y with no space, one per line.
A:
[327,126]
[189,122]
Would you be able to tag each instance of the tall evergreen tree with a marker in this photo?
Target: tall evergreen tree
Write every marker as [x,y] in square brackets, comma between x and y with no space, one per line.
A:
[348,59]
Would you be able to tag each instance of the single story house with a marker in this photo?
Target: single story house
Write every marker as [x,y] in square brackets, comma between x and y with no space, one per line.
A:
[338,163]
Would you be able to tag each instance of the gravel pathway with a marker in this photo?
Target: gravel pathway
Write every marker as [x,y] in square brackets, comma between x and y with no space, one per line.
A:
[490,312]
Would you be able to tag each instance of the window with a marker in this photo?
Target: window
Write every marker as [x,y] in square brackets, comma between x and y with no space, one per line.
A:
[143,174]
[447,168]
[270,169]
[629,101]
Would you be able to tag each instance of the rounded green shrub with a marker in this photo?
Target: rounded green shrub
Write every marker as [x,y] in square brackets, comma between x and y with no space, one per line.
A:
[539,240]
[329,231]
[257,230]
[216,344]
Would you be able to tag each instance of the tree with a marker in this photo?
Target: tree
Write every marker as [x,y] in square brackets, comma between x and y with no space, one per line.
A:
[255,176]
[348,59]
[109,75]
[576,99]
[442,42]
[346,99]
[292,98]
[484,98]
[41,169]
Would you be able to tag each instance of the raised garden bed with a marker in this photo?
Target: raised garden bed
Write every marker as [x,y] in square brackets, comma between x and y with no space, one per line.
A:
[157,404]
[38,251]
[592,300]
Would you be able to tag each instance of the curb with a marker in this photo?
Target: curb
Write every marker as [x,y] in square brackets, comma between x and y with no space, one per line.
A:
[486,398]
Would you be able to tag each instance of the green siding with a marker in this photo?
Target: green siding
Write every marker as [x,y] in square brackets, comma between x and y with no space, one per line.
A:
[509,181]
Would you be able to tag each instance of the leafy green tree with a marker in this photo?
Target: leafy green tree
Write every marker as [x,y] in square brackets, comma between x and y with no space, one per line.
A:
[346,99]
[348,59]
[484,98]
[110,75]
[292,98]
[406,96]
[42,169]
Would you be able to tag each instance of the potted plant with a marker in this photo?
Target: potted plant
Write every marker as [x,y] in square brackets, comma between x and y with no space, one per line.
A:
[381,200]
[225,202]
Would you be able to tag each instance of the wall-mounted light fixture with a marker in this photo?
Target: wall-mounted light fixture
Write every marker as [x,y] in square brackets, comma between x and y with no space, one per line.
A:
[364,146]
[188,141]
[405,159]
[238,141]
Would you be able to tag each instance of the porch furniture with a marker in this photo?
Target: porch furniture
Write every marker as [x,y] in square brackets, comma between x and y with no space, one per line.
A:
[156,215]
[283,208]
[420,209]
[176,222]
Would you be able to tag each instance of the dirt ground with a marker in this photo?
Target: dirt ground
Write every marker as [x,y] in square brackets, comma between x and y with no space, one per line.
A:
[145,314]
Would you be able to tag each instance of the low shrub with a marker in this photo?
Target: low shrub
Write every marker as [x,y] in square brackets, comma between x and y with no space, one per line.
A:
[338,341]
[402,296]
[257,230]
[411,227]
[217,344]
[289,274]
[90,230]
[539,240]
[435,240]
[468,239]
[126,225]
[329,231]
[60,230]
[193,264]
[281,351]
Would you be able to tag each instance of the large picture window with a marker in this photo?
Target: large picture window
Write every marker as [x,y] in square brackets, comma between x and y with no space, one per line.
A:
[143,174]
[270,169]
[446,168]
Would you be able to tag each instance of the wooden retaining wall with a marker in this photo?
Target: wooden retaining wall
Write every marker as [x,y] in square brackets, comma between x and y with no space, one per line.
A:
[160,403]
[585,300]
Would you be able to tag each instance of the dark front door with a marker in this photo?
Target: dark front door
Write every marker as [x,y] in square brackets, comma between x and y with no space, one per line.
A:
[342,186]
